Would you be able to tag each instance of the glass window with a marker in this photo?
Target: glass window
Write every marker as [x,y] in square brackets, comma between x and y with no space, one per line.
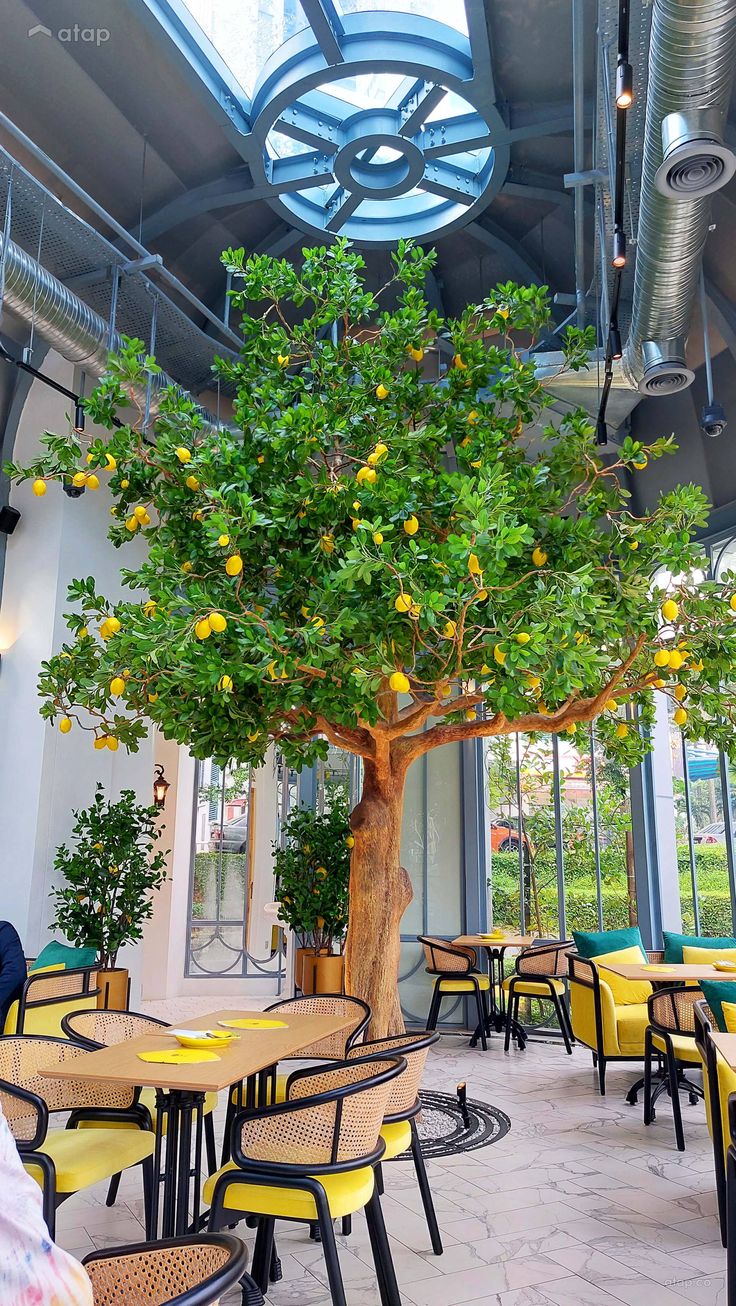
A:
[245,33]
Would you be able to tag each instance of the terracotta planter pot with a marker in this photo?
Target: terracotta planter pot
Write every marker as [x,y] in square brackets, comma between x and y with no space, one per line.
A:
[113,986]
[329,973]
[309,966]
[299,955]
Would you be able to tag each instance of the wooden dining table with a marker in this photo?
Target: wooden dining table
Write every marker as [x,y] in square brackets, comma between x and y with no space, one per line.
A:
[181,1089]
[494,947]
[668,973]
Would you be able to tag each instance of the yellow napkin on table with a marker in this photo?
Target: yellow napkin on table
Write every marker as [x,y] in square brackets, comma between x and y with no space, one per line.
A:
[178,1057]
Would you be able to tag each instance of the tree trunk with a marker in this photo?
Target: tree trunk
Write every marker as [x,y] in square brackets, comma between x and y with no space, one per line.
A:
[380,891]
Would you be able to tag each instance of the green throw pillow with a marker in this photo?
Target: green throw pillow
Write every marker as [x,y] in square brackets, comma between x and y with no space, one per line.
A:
[61,954]
[674,943]
[716,992]
[593,945]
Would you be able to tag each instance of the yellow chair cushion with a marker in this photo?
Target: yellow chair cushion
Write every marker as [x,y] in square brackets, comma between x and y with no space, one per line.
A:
[625,992]
[79,1165]
[397,1137]
[280,1091]
[46,1019]
[726,1086]
[582,1014]
[462,985]
[346,1193]
[631,1025]
[147,1098]
[531,988]
[729,1016]
[684,1047]
[695,956]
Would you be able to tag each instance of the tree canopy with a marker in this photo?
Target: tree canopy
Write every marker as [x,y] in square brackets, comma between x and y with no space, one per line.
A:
[377,552]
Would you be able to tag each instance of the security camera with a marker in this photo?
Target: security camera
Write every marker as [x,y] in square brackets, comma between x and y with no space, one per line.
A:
[713,420]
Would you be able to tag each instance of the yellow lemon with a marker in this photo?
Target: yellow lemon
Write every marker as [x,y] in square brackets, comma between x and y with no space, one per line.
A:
[633,545]
[415,609]
[377,537]
[381,391]
[261,458]
[124,484]
[110,462]
[149,608]
[234,565]
[622,730]
[612,705]
[198,515]
[731,601]
[140,512]
[89,459]
[65,725]
[82,633]
[640,465]
[350,841]
[225,683]
[457,361]
[675,660]
[472,416]
[187,567]
[659,683]
[152,698]
[366,476]
[223,541]
[474,566]
[680,716]
[499,655]
[356,505]
[533,681]
[399,682]
[570,730]
[523,637]
[112,743]
[203,629]
[321,871]
[411,525]
[192,483]
[469,714]
[539,557]
[218,623]
[282,360]
[416,353]
[680,693]
[184,455]
[117,686]
[464,443]
[39,488]
[661,658]
[502,312]
[78,479]
[670,610]
[92,482]
[450,629]
[481,595]
[101,741]
[132,524]
[114,625]
[403,602]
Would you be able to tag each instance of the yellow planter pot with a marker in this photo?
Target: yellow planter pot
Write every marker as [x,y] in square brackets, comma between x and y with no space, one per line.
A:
[329,973]
[113,986]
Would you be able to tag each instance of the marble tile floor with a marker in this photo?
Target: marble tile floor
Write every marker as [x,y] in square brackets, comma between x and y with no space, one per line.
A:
[579,1205]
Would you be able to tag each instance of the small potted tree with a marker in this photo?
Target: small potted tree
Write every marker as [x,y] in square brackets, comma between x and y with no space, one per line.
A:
[109,877]
[313,873]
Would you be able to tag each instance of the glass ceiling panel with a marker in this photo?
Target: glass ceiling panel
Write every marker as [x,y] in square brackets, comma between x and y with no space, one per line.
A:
[245,33]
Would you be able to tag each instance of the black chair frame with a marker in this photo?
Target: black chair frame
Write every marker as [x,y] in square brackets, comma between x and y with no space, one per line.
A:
[707,1048]
[286,1175]
[513,998]
[26,1004]
[480,994]
[672,1079]
[232,1272]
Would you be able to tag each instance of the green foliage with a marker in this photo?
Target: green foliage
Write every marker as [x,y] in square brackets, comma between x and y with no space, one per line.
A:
[527,582]
[110,875]
[313,872]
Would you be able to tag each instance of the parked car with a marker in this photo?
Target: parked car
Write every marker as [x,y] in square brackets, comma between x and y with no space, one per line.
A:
[713,833]
[232,837]
[505,838]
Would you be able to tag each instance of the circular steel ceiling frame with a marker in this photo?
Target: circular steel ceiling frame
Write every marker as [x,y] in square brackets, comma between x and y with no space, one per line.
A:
[439,174]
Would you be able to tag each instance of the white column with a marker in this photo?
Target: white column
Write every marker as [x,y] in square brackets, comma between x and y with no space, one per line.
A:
[664,818]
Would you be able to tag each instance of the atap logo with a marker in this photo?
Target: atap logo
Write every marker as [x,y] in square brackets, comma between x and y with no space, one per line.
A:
[88,35]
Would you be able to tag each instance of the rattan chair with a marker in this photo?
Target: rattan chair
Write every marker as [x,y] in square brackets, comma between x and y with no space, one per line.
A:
[399,1129]
[96,1029]
[671,1038]
[311,1159]
[63,1161]
[174,1272]
[454,968]
[46,998]
[719,1081]
[334,1047]
[540,972]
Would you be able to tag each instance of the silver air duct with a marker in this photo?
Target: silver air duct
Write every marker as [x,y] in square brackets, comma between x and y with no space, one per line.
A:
[691,64]
[69,325]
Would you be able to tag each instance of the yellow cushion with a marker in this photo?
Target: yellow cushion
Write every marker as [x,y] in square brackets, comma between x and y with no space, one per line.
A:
[397,1137]
[147,1098]
[729,1016]
[625,992]
[631,1025]
[79,1165]
[582,1014]
[46,1019]
[44,970]
[462,985]
[726,1086]
[280,1091]
[346,1193]
[531,988]
[684,1047]
[694,956]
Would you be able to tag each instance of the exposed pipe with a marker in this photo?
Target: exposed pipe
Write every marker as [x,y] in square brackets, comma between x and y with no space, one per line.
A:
[691,66]
[578,118]
[65,322]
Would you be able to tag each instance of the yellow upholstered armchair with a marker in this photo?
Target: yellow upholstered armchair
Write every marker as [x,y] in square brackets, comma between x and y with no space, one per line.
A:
[613,1029]
[719,1083]
[48,996]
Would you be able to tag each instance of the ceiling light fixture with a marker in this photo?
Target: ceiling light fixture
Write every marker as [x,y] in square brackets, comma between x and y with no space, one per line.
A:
[618,255]
[624,84]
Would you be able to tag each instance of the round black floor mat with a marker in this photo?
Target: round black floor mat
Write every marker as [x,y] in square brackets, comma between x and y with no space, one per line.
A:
[444,1128]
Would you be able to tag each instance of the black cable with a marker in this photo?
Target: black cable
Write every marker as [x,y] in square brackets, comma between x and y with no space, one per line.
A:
[20,363]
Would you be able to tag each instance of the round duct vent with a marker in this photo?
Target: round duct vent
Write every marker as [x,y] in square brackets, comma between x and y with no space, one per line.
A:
[696,162]
[666,379]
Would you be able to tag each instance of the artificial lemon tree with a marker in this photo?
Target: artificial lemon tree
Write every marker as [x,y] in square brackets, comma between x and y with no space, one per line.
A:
[381,553]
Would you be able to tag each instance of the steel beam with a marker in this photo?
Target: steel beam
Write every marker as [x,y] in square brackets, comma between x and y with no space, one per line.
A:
[326,24]
[454,183]
[478,15]
[521,265]
[723,315]
[417,106]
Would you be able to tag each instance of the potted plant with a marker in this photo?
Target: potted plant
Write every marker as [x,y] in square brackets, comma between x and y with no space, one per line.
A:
[109,877]
[313,872]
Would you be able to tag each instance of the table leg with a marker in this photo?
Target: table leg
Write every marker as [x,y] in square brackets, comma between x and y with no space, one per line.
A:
[184,1168]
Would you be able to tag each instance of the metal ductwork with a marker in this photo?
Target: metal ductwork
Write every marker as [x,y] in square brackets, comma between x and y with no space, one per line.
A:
[691,66]
[64,321]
